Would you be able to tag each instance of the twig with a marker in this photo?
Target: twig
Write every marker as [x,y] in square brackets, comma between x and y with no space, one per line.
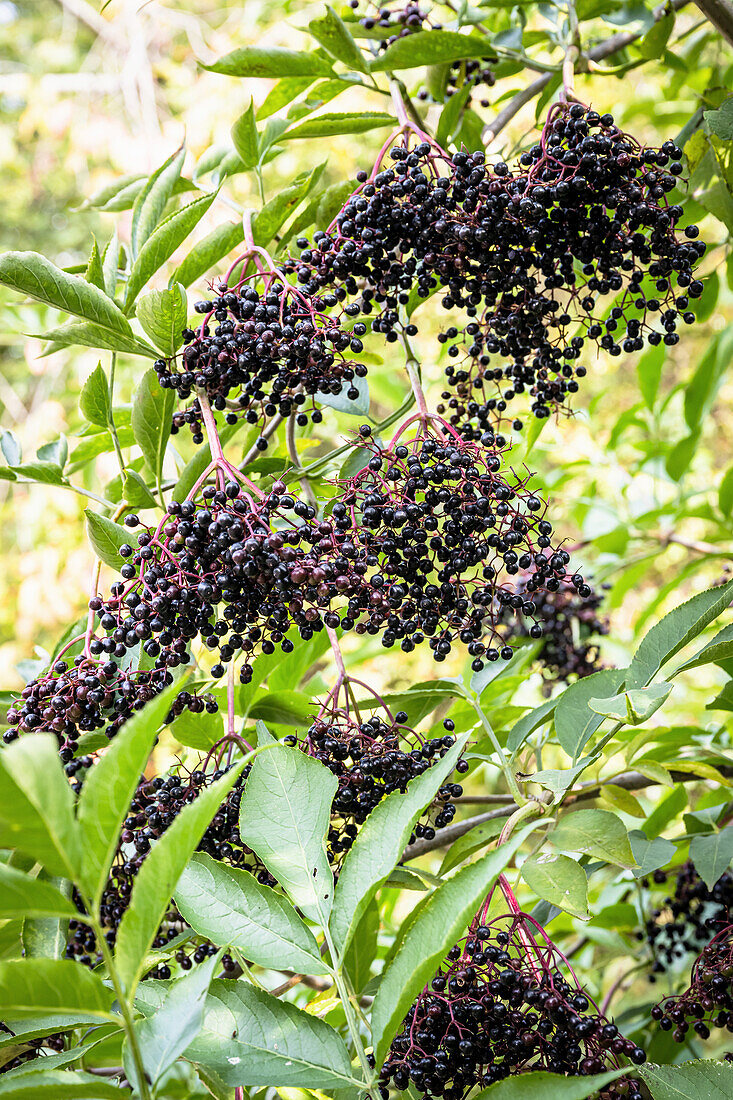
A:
[720,14]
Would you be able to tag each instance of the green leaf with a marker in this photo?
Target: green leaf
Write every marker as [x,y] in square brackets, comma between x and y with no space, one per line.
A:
[472,841]
[198,731]
[655,40]
[94,273]
[152,410]
[575,722]
[431,48]
[11,449]
[163,314]
[333,34]
[521,730]
[381,842]
[30,987]
[442,921]
[539,1085]
[702,389]
[664,812]
[450,118]
[712,854]
[674,631]
[85,334]
[689,1081]
[156,880]
[282,708]
[679,458]
[245,138]
[34,275]
[94,398]
[229,907]
[719,649]
[161,245]
[37,805]
[212,248]
[249,1038]
[597,833]
[328,125]
[111,263]
[283,93]
[150,204]
[339,401]
[649,372]
[362,950]
[273,215]
[720,122]
[650,854]
[633,707]
[136,492]
[270,62]
[559,880]
[45,473]
[23,896]
[39,1083]
[725,493]
[110,785]
[106,538]
[164,1035]
[284,818]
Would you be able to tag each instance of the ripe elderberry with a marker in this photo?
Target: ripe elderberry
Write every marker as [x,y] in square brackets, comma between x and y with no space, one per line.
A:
[708,1000]
[687,919]
[440,532]
[505,1001]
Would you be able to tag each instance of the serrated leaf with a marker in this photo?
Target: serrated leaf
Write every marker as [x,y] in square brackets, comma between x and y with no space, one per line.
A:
[163,314]
[251,1038]
[136,492]
[85,334]
[333,34]
[94,273]
[560,881]
[270,62]
[212,248]
[39,1083]
[597,833]
[163,242]
[359,406]
[94,398]
[539,1085]
[650,854]
[432,48]
[712,854]
[229,907]
[10,448]
[106,538]
[689,1081]
[32,274]
[152,410]
[328,125]
[284,817]
[575,722]
[153,199]
[245,138]
[23,896]
[720,122]
[633,707]
[31,987]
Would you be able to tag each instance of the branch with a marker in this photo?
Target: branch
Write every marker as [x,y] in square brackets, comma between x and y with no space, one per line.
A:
[630,781]
[604,49]
[720,14]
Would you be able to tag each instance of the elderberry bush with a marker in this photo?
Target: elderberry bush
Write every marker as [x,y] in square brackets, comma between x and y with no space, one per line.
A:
[504,1001]
[274,348]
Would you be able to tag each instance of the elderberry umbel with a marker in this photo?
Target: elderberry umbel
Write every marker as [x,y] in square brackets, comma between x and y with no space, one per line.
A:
[505,1001]
[571,627]
[689,918]
[373,756]
[234,570]
[532,255]
[708,1000]
[390,23]
[443,532]
[274,348]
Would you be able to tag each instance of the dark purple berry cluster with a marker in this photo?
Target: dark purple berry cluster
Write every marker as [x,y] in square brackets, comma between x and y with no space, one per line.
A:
[571,627]
[504,1002]
[443,532]
[31,1049]
[687,919]
[708,1000]
[395,22]
[274,348]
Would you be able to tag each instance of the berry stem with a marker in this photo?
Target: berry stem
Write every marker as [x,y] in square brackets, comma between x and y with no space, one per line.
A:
[399,105]
[337,654]
[413,374]
[528,941]
[219,462]
[247,228]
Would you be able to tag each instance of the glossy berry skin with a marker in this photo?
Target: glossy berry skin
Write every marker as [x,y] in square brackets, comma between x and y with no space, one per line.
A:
[707,1003]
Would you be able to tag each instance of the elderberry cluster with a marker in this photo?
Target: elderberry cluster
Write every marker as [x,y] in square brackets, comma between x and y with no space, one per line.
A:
[235,571]
[708,1000]
[372,758]
[33,1049]
[467,72]
[531,255]
[689,918]
[445,531]
[570,626]
[504,1002]
[394,23]
[274,347]
[85,697]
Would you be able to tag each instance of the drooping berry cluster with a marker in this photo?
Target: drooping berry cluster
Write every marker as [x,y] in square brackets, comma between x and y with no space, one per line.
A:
[533,256]
[371,758]
[570,630]
[708,1000]
[504,1002]
[688,919]
[273,347]
[467,72]
[32,1049]
[393,23]
[445,531]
